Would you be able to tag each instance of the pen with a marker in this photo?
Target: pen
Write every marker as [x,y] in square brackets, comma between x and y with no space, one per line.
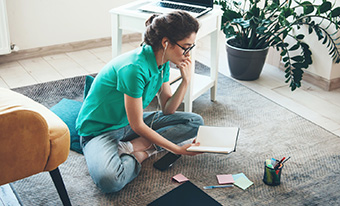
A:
[279,163]
[273,161]
[278,169]
[286,160]
[217,186]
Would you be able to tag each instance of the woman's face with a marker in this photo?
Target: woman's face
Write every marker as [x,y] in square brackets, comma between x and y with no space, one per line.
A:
[176,52]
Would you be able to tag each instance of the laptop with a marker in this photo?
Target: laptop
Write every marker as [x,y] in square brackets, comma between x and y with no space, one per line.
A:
[194,7]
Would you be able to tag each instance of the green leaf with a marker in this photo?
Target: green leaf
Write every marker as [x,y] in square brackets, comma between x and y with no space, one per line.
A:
[284,52]
[254,12]
[297,73]
[277,39]
[298,58]
[307,7]
[304,46]
[308,59]
[300,36]
[295,47]
[261,29]
[285,59]
[286,12]
[299,66]
[229,15]
[229,31]
[325,6]
[284,34]
[325,40]
[310,30]
[336,12]
[305,65]
[292,86]
[318,32]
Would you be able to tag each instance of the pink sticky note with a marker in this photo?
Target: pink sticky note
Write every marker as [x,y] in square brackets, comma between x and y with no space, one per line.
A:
[225,179]
[180,178]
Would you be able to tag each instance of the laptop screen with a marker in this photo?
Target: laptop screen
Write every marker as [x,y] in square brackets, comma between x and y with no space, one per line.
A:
[205,3]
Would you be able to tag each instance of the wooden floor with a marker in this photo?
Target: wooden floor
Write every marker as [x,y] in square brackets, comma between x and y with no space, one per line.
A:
[316,105]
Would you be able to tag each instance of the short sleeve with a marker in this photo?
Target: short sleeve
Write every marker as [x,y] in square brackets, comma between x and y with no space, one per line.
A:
[166,73]
[131,80]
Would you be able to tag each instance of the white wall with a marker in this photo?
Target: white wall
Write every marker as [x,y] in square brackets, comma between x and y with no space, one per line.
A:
[323,65]
[39,23]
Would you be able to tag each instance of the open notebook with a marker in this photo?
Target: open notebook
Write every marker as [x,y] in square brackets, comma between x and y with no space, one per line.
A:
[194,7]
[216,139]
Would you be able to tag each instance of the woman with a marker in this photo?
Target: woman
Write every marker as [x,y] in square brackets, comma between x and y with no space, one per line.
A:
[116,135]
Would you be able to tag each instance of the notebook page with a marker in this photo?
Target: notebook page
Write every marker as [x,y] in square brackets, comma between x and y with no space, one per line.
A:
[209,136]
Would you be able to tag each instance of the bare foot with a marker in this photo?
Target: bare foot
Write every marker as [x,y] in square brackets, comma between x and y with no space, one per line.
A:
[140,156]
[140,144]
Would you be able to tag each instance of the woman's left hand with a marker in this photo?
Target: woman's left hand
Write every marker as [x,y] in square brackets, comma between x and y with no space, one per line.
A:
[183,149]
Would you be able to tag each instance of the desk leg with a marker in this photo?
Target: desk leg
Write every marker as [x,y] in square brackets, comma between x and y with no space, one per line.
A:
[214,57]
[116,36]
[188,98]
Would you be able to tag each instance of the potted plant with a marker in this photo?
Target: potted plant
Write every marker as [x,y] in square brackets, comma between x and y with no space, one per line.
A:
[260,24]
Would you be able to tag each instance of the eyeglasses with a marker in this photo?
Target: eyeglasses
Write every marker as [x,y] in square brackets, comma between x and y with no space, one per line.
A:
[186,50]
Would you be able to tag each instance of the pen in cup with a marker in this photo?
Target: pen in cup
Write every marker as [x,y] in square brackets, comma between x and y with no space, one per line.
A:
[286,160]
[279,163]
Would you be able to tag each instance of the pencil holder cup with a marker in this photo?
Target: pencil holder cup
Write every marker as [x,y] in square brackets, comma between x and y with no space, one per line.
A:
[271,176]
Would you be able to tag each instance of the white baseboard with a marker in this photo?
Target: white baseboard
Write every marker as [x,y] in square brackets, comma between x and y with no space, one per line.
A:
[68,47]
[318,81]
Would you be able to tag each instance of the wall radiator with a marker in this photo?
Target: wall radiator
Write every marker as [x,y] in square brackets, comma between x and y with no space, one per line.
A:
[5,43]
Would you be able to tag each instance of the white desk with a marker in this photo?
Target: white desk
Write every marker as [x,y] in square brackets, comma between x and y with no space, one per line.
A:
[128,17]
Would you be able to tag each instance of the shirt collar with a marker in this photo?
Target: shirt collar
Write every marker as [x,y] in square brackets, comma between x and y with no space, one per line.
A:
[151,58]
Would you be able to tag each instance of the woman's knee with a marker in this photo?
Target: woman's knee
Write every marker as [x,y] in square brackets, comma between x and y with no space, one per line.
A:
[115,176]
[196,119]
[108,183]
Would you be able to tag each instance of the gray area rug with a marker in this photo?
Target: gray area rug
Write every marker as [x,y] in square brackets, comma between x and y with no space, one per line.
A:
[310,177]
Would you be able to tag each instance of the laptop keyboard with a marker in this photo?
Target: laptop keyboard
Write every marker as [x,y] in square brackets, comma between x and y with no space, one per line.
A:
[180,7]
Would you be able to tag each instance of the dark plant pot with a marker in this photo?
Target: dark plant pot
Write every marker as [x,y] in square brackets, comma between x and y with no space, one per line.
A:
[245,64]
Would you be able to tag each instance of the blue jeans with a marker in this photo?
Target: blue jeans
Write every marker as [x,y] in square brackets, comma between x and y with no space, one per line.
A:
[112,172]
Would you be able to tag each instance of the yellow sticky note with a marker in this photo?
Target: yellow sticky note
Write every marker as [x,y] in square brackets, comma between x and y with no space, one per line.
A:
[243,183]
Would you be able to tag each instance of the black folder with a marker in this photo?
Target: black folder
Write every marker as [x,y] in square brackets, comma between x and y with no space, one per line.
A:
[184,195]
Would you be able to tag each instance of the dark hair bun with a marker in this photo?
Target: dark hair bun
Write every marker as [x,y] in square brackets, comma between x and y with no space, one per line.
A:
[175,26]
[151,18]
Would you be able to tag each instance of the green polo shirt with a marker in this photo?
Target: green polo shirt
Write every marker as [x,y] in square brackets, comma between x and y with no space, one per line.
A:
[134,73]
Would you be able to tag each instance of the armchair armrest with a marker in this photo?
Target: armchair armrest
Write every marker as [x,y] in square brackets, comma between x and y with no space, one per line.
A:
[32,138]
[24,144]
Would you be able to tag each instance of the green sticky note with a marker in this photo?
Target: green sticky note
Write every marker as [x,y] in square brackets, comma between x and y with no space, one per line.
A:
[243,183]
[236,176]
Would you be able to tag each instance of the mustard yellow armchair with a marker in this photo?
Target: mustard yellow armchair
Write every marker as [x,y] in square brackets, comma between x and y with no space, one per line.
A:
[32,140]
